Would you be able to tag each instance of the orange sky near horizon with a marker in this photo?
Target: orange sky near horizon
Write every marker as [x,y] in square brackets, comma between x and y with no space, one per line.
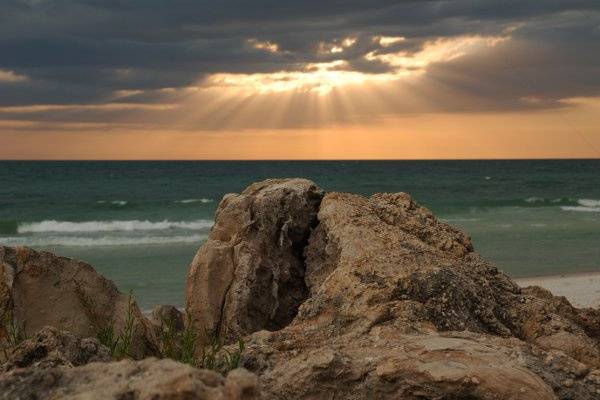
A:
[566,133]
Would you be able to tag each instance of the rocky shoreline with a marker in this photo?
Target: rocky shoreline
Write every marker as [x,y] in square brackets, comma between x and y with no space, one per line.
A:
[300,294]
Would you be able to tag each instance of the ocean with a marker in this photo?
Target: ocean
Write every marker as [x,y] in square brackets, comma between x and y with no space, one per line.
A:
[140,223]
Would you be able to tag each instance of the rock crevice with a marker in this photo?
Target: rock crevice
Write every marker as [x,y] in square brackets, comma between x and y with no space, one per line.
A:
[250,274]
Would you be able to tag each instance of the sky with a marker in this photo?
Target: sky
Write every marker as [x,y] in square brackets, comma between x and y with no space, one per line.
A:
[290,79]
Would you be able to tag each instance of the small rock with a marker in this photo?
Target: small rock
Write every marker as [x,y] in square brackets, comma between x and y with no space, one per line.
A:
[568,383]
[51,348]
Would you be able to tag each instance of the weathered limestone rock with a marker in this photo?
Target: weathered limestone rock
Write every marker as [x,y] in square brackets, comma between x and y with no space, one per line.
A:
[51,348]
[149,379]
[398,306]
[388,253]
[40,289]
[302,362]
[249,275]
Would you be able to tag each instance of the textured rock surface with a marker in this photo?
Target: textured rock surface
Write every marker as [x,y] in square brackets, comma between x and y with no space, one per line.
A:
[51,348]
[399,306]
[168,324]
[249,275]
[149,379]
[165,314]
[387,253]
[40,289]
[307,363]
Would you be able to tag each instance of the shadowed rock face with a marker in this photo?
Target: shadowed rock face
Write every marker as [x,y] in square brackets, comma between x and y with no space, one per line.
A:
[249,275]
[149,379]
[39,289]
[398,306]
[165,314]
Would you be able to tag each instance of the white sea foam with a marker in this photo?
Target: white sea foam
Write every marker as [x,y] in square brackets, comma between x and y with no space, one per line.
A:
[532,200]
[75,241]
[589,202]
[585,205]
[188,201]
[114,202]
[107,226]
[581,209]
[564,200]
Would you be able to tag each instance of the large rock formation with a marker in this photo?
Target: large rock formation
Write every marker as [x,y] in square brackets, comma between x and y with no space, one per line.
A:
[250,273]
[40,289]
[337,297]
[149,379]
[397,304]
[378,254]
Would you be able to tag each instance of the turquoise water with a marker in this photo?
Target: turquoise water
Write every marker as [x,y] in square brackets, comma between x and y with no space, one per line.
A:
[140,223]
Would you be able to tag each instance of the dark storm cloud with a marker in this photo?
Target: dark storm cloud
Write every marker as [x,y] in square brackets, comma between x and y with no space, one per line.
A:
[83,51]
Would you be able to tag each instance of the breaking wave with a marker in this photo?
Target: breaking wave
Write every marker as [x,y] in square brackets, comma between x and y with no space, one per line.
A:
[566,204]
[539,201]
[589,202]
[189,201]
[75,241]
[582,209]
[584,205]
[108,226]
[119,203]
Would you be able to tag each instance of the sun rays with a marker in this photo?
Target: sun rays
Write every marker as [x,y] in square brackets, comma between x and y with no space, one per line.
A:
[335,91]
[323,77]
[321,94]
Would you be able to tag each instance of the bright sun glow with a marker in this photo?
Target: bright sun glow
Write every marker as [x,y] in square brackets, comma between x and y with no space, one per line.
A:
[322,78]
[386,41]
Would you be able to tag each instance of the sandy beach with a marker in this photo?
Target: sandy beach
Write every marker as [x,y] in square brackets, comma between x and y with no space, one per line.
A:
[582,290]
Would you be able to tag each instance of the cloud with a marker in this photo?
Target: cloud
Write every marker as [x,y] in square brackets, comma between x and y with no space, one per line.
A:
[91,54]
[10,76]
